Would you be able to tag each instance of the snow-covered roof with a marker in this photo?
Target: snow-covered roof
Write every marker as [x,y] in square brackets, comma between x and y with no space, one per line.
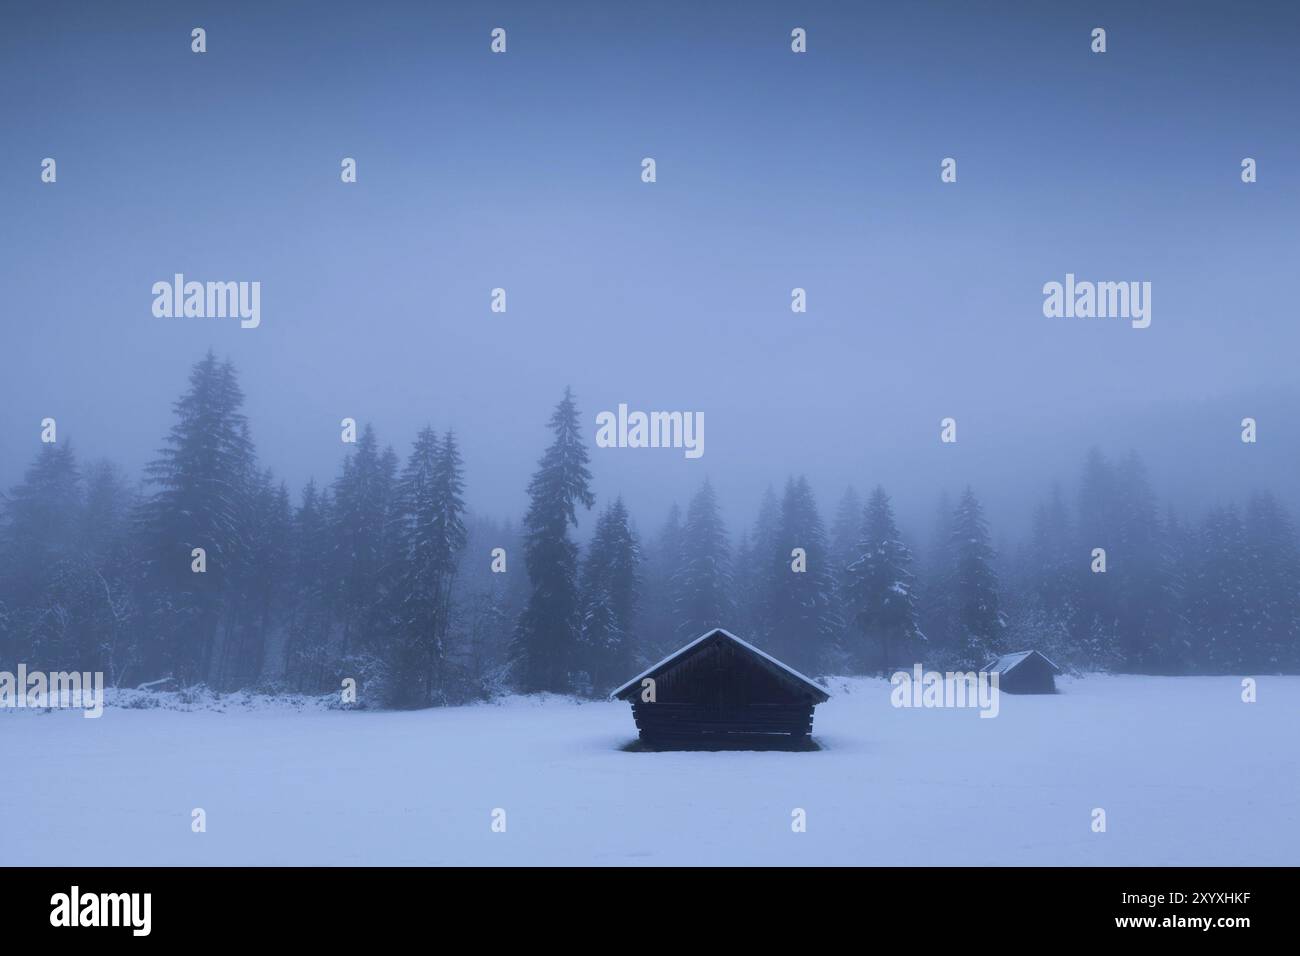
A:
[681,651]
[1008,662]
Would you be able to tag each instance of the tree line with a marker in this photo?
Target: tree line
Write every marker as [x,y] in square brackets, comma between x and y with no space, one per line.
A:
[209,571]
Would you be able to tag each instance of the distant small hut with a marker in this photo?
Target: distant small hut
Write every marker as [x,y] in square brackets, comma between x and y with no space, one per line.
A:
[721,693]
[1024,672]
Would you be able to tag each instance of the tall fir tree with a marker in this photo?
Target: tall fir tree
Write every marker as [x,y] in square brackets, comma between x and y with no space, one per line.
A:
[201,499]
[845,533]
[547,633]
[1051,579]
[659,614]
[937,601]
[1273,568]
[881,589]
[430,536]
[1221,605]
[703,583]
[1100,524]
[804,622]
[768,564]
[42,522]
[978,620]
[1141,614]
[610,585]
[365,562]
[307,646]
[44,589]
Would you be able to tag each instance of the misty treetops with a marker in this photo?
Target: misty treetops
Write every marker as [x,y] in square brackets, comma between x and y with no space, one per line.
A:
[209,570]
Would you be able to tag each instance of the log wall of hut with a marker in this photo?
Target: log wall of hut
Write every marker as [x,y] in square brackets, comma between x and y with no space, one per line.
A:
[719,696]
[1033,675]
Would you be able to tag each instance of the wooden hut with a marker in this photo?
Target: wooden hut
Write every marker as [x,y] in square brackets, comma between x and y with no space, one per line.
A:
[1024,672]
[719,692]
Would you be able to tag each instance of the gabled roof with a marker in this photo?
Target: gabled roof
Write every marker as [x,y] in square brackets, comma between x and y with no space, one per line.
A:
[782,671]
[1009,662]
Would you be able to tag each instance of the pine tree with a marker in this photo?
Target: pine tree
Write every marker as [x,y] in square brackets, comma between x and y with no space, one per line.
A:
[1051,582]
[881,588]
[416,653]
[1272,569]
[306,651]
[703,583]
[430,536]
[1175,558]
[804,623]
[937,601]
[978,618]
[748,584]
[260,606]
[846,531]
[42,519]
[660,625]
[1139,586]
[112,640]
[1222,613]
[1100,524]
[547,633]
[201,499]
[365,557]
[769,563]
[610,581]
[449,538]
[43,571]
[485,603]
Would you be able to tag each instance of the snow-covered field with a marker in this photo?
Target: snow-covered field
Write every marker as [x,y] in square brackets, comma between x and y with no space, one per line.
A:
[1186,772]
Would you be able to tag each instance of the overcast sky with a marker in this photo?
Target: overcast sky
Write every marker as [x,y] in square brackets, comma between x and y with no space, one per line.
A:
[775,170]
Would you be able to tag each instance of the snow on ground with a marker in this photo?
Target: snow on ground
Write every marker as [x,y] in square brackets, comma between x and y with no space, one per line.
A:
[1186,772]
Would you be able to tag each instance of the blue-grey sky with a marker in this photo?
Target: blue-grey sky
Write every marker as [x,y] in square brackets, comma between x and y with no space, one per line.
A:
[775,170]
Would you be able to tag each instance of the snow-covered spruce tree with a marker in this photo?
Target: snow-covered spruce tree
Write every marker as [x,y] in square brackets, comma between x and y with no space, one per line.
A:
[261,597]
[1273,568]
[747,583]
[1175,555]
[42,569]
[1222,613]
[1038,596]
[110,568]
[1100,525]
[364,557]
[449,538]
[547,633]
[200,499]
[937,602]
[845,532]
[414,654]
[1140,593]
[658,617]
[610,584]
[485,605]
[758,579]
[1052,581]
[307,644]
[881,590]
[41,522]
[703,582]
[430,536]
[977,619]
[803,623]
